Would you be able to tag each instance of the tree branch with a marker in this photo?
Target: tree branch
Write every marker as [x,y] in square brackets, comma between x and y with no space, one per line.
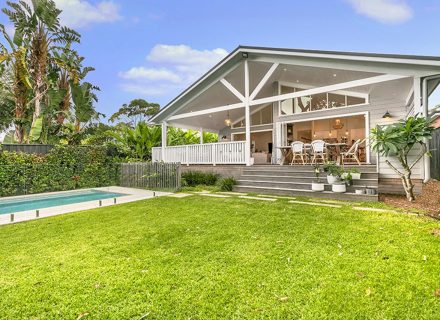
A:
[394,168]
[422,153]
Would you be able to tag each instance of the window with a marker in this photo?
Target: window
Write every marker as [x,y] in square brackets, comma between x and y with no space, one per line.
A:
[318,101]
[261,116]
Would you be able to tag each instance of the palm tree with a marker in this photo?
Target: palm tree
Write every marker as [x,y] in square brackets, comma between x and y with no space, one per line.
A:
[38,28]
[15,74]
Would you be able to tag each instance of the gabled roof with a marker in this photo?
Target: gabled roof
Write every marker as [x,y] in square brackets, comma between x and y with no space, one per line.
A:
[236,55]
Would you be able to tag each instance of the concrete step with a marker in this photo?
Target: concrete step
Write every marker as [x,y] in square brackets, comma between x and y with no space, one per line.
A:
[308,179]
[348,196]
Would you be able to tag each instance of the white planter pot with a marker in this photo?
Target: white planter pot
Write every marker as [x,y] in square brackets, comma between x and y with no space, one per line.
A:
[331,179]
[356,176]
[339,188]
[317,186]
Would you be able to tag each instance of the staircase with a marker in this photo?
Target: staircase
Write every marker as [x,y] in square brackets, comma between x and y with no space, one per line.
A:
[297,181]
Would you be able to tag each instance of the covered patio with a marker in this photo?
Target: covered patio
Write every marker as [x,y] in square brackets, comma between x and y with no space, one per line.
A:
[261,102]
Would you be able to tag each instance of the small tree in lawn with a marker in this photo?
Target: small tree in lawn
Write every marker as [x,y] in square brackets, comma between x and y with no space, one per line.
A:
[398,140]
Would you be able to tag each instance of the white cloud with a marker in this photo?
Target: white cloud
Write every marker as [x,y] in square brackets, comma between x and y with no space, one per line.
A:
[81,13]
[150,74]
[169,69]
[385,11]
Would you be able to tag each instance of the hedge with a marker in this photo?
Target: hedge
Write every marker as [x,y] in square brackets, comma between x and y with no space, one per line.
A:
[63,168]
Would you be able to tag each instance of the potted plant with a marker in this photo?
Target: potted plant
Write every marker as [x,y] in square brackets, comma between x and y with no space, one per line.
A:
[333,172]
[317,185]
[339,186]
[348,178]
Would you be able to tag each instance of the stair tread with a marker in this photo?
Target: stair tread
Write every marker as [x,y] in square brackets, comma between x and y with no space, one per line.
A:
[305,190]
[283,182]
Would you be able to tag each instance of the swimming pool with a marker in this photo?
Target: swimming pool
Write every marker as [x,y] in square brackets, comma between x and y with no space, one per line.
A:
[34,202]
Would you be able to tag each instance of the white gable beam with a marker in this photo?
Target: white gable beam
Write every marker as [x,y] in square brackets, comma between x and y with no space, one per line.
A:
[207,111]
[231,88]
[330,88]
[264,81]
[344,64]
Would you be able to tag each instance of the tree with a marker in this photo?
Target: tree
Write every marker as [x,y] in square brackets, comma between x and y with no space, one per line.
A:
[136,111]
[16,80]
[137,143]
[398,140]
[38,35]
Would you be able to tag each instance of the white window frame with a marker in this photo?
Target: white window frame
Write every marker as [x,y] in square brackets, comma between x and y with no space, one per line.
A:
[346,93]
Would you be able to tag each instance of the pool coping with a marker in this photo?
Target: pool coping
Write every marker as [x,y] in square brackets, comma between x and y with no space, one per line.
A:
[130,195]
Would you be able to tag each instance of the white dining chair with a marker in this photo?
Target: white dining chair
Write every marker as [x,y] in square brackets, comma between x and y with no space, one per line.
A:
[352,153]
[298,151]
[318,151]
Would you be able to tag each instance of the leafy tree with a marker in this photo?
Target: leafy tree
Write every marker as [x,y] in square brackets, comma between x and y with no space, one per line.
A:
[39,75]
[398,140]
[16,79]
[137,143]
[136,111]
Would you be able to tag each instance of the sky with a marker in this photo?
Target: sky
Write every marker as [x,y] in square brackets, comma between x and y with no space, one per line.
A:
[154,49]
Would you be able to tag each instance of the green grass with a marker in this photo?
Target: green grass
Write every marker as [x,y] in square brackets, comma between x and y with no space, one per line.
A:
[206,258]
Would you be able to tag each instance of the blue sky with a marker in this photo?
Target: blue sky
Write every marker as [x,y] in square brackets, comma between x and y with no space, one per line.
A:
[153,49]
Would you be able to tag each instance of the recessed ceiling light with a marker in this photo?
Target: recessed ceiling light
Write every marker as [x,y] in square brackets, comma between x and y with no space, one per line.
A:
[284,69]
[297,81]
[210,115]
[334,75]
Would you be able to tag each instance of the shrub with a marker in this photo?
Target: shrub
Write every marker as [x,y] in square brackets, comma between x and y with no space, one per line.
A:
[195,178]
[227,184]
[63,168]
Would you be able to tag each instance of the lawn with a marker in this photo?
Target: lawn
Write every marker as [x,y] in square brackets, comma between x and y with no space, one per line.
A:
[209,258]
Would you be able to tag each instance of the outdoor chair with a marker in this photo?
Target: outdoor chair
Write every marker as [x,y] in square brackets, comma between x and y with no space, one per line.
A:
[352,153]
[298,151]
[318,151]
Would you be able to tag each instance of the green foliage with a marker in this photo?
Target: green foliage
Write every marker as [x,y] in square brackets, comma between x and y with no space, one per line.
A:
[136,111]
[397,140]
[332,169]
[137,143]
[63,168]
[227,184]
[401,137]
[195,178]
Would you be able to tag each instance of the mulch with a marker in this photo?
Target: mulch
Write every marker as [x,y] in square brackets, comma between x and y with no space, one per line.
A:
[428,201]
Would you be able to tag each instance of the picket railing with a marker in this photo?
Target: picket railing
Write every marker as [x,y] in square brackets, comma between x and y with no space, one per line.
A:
[151,175]
[209,153]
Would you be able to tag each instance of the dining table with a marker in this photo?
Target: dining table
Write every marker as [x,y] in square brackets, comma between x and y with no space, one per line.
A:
[286,151]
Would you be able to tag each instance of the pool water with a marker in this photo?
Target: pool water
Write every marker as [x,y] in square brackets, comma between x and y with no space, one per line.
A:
[52,200]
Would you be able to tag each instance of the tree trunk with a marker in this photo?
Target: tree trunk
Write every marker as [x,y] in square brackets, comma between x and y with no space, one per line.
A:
[408,186]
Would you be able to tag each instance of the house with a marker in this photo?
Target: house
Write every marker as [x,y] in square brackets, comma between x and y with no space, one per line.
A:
[259,100]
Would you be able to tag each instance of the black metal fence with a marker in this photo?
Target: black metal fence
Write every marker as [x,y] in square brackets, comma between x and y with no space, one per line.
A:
[151,175]
[434,147]
[28,148]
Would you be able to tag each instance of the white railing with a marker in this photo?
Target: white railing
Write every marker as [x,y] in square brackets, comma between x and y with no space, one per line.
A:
[209,153]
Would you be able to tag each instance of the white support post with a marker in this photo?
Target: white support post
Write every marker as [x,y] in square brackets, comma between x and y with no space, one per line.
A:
[164,140]
[426,158]
[367,136]
[417,96]
[201,135]
[247,114]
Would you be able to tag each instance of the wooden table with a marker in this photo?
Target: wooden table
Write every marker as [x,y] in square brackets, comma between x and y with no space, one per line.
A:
[337,146]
